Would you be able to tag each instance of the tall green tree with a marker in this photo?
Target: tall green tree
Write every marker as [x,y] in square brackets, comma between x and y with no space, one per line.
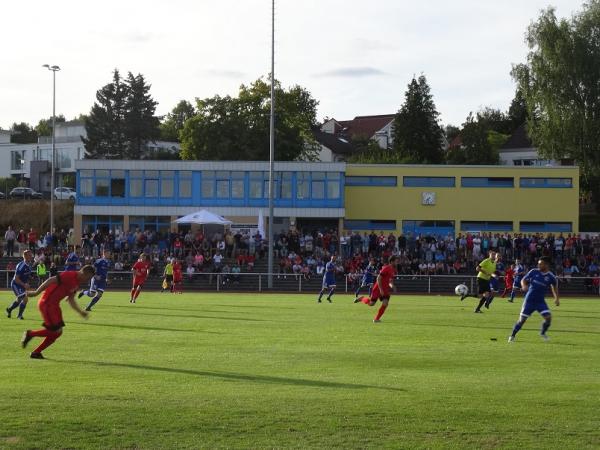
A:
[517,112]
[141,125]
[105,125]
[173,123]
[237,128]
[418,136]
[479,143]
[560,82]
[23,133]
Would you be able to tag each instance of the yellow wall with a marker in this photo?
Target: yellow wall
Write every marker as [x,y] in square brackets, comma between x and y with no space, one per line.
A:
[463,204]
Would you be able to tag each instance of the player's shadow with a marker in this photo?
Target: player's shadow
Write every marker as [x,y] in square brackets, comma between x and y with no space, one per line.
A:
[138,327]
[192,316]
[442,325]
[232,376]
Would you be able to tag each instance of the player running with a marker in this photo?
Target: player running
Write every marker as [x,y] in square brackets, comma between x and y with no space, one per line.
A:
[535,284]
[98,282]
[72,262]
[168,277]
[54,290]
[368,277]
[485,269]
[518,273]
[509,279]
[140,273]
[381,289]
[177,277]
[494,282]
[328,280]
[19,284]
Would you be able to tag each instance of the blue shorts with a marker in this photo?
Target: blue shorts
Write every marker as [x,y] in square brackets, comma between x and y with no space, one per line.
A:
[517,283]
[531,306]
[98,285]
[19,290]
[328,282]
[494,283]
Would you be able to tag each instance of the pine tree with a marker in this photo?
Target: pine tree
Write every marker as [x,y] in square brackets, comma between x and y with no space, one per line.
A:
[141,125]
[418,136]
[105,124]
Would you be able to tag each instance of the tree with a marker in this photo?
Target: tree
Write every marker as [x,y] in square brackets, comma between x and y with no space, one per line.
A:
[477,144]
[44,126]
[174,121]
[237,128]
[560,83]
[105,125]
[23,133]
[122,120]
[418,137]
[141,125]
[517,112]
[451,132]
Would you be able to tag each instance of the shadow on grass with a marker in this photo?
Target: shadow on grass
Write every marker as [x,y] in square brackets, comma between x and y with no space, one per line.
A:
[191,316]
[232,376]
[507,329]
[138,327]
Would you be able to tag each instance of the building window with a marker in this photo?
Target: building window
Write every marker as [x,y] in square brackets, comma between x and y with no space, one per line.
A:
[150,188]
[167,183]
[117,183]
[185,184]
[546,182]
[16,160]
[371,181]
[318,185]
[370,225]
[237,185]
[302,186]
[102,187]
[102,223]
[223,178]
[285,186]
[86,188]
[490,182]
[208,184]
[429,181]
[540,227]
[473,225]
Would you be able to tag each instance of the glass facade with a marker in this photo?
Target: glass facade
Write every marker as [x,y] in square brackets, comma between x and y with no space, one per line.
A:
[209,188]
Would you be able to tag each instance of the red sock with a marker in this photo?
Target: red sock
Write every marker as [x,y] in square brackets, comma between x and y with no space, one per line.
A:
[40,333]
[133,293]
[137,293]
[53,336]
[365,300]
[380,312]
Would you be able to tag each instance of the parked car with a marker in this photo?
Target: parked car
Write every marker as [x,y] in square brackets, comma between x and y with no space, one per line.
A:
[64,193]
[24,192]
[2,196]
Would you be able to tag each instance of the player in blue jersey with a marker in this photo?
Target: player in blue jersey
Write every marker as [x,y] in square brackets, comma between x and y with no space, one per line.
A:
[494,280]
[20,284]
[328,280]
[535,284]
[72,263]
[368,278]
[518,274]
[98,281]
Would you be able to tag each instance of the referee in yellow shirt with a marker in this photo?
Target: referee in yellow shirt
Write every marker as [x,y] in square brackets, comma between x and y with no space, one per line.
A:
[168,274]
[485,269]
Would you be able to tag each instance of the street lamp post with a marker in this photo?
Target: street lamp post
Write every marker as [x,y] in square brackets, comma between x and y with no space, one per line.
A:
[271,149]
[54,69]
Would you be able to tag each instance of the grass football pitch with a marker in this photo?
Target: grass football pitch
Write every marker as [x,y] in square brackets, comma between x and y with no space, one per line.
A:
[281,371]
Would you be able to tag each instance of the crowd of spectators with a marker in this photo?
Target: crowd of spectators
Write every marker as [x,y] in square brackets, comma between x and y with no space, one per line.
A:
[305,252]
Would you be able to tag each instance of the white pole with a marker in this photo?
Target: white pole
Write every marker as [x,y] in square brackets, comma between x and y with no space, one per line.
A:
[271,147]
[54,69]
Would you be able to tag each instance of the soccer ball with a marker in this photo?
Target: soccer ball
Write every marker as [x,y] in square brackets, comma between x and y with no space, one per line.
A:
[461,289]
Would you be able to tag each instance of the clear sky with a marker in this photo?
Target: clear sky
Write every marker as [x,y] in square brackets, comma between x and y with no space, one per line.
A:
[356,57]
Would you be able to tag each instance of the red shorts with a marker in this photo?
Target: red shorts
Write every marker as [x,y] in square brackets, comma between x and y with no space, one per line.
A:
[52,315]
[376,294]
[139,281]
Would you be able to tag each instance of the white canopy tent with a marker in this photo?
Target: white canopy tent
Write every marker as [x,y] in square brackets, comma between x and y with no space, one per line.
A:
[204,217]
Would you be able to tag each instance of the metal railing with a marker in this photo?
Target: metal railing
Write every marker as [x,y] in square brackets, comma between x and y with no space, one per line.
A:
[257,282]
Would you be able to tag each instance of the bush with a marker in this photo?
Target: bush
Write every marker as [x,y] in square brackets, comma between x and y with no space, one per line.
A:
[25,214]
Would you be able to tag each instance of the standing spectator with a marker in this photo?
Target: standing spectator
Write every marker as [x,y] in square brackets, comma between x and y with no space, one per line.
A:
[32,240]
[10,237]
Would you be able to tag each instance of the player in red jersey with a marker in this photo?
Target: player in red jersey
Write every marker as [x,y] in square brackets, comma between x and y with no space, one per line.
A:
[54,289]
[140,273]
[381,288]
[177,276]
[509,280]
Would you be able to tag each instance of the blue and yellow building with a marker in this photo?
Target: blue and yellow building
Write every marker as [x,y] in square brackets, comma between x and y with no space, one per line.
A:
[354,197]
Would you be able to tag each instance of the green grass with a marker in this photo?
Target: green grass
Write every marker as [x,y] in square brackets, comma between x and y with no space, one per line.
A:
[280,371]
